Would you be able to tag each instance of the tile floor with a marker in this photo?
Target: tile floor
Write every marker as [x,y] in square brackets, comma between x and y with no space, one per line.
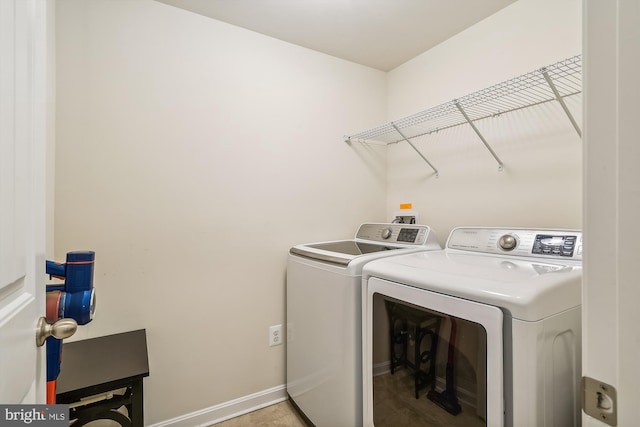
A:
[278,415]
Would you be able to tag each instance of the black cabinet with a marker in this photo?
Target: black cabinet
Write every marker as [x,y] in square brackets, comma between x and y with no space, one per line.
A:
[101,375]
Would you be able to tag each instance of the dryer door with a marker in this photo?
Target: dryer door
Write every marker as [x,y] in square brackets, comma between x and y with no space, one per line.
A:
[430,359]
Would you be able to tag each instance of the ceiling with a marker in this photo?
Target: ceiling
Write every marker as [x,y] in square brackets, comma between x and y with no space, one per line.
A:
[381,34]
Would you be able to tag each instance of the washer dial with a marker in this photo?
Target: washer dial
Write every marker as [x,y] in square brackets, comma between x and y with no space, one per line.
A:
[508,242]
[386,233]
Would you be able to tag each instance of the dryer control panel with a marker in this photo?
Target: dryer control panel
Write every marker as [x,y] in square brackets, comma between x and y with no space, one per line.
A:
[545,243]
[548,244]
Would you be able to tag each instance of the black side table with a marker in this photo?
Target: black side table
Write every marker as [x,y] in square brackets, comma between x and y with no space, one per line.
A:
[403,321]
[99,366]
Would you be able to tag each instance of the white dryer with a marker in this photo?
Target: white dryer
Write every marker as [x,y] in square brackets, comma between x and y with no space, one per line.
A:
[503,309]
[324,282]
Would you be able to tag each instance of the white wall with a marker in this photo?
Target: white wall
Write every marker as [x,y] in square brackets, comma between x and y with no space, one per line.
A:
[541,182]
[190,156]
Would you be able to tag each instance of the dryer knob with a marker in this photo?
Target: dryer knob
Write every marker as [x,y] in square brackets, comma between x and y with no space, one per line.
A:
[386,233]
[508,242]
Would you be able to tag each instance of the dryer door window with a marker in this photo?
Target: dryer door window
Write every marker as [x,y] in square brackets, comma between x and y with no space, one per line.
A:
[437,359]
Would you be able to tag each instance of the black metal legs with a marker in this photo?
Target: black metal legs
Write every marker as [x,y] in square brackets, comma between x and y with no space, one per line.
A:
[408,324]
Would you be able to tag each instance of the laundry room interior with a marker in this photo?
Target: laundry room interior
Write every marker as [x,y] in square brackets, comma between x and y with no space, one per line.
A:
[191,154]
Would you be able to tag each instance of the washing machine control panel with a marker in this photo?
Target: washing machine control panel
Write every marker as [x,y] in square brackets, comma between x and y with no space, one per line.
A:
[405,234]
[558,244]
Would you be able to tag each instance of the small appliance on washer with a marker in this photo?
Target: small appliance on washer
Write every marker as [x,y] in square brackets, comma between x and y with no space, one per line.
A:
[324,282]
[495,319]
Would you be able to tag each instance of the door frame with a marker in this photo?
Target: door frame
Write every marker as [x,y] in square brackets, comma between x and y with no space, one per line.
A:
[611,287]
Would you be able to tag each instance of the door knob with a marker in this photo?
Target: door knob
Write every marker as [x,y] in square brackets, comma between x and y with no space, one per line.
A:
[63,328]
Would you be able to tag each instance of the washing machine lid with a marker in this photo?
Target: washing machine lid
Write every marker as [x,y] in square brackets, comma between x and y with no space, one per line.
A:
[529,289]
[340,252]
[373,240]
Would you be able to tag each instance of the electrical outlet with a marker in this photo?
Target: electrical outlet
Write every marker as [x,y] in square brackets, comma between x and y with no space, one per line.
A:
[275,335]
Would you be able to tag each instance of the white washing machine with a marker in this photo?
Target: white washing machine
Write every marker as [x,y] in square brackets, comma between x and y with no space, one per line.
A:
[324,282]
[502,308]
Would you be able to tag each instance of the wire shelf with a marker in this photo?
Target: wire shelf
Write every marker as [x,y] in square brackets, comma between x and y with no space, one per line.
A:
[551,83]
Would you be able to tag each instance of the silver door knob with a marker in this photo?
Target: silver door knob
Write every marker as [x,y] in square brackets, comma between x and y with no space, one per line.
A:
[62,329]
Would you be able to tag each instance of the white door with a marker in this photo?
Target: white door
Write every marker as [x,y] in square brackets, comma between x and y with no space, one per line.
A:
[22,198]
[611,341]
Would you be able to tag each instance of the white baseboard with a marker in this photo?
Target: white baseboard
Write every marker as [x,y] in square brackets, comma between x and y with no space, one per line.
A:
[381,368]
[227,410]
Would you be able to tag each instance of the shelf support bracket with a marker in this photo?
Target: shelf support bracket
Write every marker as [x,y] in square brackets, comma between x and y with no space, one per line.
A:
[417,151]
[545,74]
[475,129]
